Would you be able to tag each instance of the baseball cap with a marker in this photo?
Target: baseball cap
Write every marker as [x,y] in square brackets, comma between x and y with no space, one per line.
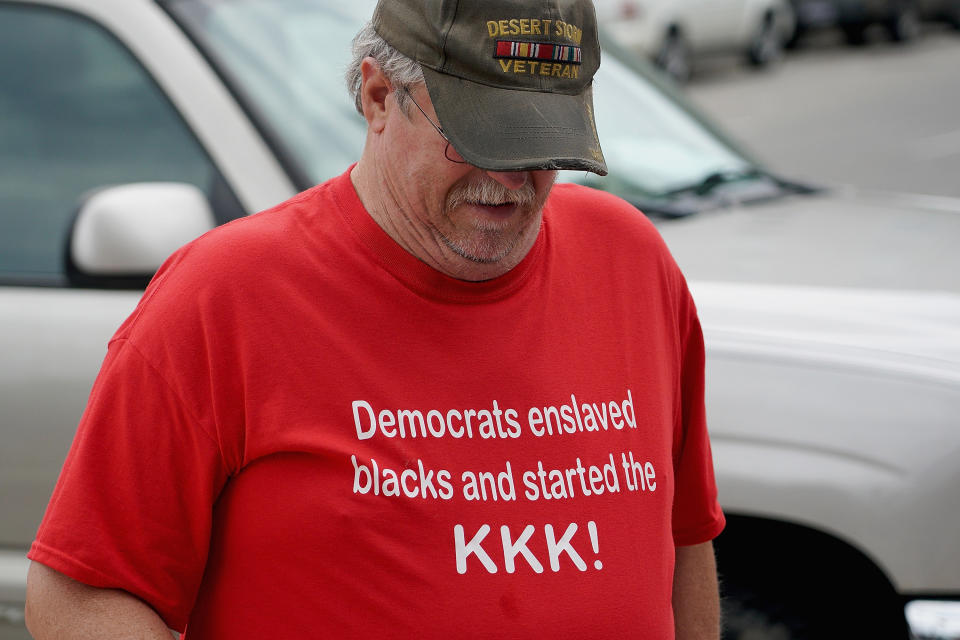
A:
[510,80]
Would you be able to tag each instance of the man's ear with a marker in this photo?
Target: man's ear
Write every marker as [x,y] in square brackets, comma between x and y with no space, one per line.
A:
[373,94]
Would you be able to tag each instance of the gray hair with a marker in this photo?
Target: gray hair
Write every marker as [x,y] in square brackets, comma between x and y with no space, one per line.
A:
[401,71]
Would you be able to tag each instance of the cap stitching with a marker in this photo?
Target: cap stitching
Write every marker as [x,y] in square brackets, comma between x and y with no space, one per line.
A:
[446,35]
[548,9]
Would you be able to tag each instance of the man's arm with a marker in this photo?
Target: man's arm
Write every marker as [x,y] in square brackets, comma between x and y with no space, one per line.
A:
[59,607]
[696,596]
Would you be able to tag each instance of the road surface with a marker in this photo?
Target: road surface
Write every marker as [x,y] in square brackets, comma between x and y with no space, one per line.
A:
[881,116]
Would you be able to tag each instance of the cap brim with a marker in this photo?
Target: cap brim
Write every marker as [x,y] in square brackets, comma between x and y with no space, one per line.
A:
[515,130]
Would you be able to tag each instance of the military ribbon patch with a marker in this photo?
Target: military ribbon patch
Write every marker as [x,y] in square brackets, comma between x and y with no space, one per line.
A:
[516,50]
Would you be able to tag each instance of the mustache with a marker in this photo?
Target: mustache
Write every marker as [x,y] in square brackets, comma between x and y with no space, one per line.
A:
[487,191]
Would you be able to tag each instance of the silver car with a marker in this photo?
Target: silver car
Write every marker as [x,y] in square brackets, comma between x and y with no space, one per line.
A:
[128,127]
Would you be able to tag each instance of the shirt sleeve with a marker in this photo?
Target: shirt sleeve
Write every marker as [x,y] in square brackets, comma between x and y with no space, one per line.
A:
[132,508]
[697,516]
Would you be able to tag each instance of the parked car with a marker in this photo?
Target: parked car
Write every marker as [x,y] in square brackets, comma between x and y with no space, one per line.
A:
[901,18]
[128,127]
[673,33]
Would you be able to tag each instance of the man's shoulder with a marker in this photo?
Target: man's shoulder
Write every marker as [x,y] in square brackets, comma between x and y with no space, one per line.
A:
[276,225]
[608,235]
[574,208]
[241,262]
[256,243]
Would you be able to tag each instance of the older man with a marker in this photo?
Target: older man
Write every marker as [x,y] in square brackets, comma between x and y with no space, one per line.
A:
[434,397]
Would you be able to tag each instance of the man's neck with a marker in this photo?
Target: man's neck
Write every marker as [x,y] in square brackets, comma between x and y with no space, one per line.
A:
[373,190]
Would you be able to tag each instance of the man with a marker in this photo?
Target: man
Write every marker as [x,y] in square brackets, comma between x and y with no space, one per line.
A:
[435,397]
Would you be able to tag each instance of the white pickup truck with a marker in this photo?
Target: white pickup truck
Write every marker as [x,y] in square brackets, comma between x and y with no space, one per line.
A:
[127,127]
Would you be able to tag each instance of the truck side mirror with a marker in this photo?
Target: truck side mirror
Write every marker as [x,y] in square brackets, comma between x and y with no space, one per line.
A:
[121,235]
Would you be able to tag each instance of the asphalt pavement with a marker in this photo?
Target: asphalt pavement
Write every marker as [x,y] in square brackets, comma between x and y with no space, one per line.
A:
[882,116]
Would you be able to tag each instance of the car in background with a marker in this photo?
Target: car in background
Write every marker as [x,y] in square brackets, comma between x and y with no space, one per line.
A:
[832,321]
[673,33]
[900,18]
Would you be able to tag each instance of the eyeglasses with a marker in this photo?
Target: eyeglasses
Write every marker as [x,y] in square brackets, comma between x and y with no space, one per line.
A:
[450,153]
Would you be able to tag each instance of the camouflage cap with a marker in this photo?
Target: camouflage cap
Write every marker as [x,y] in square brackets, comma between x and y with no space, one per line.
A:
[510,80]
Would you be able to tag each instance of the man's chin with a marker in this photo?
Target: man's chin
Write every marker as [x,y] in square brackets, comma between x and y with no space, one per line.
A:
[481,251]
[489,235]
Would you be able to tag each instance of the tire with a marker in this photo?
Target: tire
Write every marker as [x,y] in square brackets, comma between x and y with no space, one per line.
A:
[674,57]
[779,581]
[953,14]
[904,24]
[855,33]
[767,45]
[747,615]
[796,38]
[767,611]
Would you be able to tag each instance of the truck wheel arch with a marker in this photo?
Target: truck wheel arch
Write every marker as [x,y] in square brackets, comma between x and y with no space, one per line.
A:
[789,581]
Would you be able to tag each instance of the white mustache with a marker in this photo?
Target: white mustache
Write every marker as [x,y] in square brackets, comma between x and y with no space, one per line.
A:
[490,192]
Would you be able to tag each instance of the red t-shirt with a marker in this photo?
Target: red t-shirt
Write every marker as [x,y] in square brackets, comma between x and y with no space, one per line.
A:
[303,431]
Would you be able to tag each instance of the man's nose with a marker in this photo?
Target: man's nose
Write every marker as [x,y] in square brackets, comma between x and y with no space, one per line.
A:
[512,180]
